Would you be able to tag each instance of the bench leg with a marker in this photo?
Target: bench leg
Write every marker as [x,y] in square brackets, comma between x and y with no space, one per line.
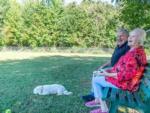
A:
[113,107]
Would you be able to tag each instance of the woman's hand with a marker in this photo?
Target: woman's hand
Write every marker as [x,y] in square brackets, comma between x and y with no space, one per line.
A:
[100,72]
[97,73]
[105,73]
[114,75]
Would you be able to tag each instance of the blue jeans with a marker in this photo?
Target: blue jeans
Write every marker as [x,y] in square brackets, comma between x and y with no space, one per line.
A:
[105,68]
[98,83]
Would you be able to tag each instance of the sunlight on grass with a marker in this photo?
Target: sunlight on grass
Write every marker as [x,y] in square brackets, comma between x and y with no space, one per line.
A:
[14,55]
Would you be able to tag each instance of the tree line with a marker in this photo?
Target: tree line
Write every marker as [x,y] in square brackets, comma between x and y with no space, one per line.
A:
[90,24]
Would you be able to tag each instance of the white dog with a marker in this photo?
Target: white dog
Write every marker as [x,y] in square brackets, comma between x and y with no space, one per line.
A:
[51,89]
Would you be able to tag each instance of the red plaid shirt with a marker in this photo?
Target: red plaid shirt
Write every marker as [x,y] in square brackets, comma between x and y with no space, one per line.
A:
[129,69]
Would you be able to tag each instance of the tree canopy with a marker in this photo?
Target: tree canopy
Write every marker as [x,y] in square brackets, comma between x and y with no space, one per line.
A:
[48,23]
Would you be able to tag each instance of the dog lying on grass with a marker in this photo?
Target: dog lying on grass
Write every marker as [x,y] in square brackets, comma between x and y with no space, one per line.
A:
[51,89]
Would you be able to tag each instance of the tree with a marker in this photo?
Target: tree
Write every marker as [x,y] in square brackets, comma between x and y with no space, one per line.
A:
[12,24]
[140,1]
[135,14]
[4,6]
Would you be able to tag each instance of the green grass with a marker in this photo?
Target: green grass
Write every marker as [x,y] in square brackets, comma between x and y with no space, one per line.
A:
[19,77]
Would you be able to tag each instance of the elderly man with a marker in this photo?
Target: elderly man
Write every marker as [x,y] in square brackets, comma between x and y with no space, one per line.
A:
[120,49]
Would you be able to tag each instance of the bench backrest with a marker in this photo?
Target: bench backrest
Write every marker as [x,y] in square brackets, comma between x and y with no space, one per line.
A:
[144,89]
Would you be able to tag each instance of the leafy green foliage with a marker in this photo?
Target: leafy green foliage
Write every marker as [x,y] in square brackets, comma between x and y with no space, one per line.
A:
[12,24]
[136,13]
[4,6]
[48,23]
[36,25]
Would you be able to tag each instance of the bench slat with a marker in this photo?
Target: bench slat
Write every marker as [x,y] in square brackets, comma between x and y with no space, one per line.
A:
[113,95]
[130,98]
[147,68]
[147,82]
[146,75]
[105,93]
[147,71]
[122,96]
[146,91]
[138,99]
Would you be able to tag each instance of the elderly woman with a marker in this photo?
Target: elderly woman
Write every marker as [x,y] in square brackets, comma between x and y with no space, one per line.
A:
[125,74]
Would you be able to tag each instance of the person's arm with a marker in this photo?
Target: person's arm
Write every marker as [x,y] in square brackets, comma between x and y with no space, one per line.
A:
[104,65]
[128,71]
[104,73]
[110,74]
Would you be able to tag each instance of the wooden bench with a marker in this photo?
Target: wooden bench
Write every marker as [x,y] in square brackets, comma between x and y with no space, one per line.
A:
[139,100]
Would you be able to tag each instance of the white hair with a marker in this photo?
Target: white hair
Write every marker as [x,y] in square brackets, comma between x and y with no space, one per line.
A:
[141,35]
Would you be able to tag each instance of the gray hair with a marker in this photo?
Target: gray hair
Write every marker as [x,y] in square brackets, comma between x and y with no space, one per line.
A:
[124,31]
[141,35]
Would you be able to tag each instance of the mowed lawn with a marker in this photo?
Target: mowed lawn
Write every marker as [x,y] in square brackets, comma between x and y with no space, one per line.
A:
[19,77]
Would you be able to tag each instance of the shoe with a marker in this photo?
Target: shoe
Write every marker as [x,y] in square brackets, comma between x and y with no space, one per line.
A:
[88,97]
[97,111]
[92,104]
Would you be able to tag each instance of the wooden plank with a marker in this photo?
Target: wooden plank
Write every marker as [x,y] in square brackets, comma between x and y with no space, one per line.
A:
[113,107]
[142,86]
[105,93]
[113,95]
[122,97]
[147,83]
[147,70]
[145,90]
[130,98]
[143,83]
[145,86]
[147,77]
[138,99]
[146,74]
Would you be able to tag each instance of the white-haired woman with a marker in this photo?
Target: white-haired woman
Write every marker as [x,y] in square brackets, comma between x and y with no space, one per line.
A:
[125,75]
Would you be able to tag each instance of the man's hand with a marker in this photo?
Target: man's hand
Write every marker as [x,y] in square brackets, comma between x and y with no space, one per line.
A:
[98,73]
[103,72]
